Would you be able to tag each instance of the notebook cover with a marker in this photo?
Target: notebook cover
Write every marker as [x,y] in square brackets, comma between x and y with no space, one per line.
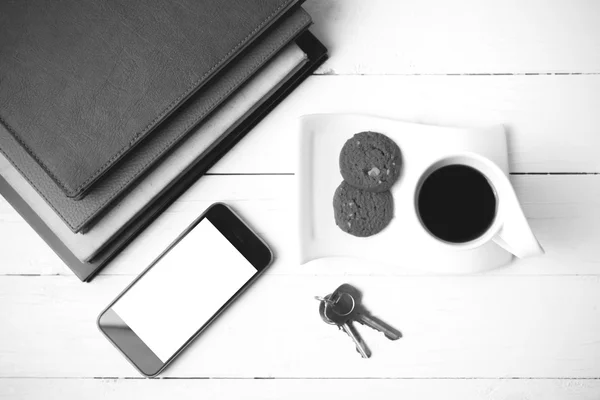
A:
[80,215]
[316,53]
[84,247]
[83,81]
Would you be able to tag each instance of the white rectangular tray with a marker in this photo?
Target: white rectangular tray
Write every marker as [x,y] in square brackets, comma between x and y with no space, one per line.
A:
[403,243]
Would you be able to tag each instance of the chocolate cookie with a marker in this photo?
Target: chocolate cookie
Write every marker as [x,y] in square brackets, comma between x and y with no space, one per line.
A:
[362,213]
[370,161]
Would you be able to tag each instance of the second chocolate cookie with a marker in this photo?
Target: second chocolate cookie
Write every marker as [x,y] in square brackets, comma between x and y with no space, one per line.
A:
[361,213]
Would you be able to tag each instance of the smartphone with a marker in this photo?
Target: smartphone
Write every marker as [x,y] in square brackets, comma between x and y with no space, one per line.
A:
[178,296]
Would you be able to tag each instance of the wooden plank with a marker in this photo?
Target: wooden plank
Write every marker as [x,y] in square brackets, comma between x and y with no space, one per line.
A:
[465,36]
[552,121]
[563,211]
[300,389]
[453,327]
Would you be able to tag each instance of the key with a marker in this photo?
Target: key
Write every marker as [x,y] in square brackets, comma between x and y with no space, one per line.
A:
[349,307]
[342,322]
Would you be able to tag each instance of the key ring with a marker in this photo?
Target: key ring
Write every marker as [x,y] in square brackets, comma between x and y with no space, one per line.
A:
[325,300]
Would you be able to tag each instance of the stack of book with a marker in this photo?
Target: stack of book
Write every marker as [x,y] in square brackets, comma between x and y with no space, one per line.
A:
[110,109]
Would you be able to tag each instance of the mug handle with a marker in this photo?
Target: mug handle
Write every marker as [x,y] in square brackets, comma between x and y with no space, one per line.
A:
[524,245]
[515,235]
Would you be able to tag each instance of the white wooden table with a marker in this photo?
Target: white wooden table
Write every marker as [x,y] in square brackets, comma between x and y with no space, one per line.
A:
[531,330]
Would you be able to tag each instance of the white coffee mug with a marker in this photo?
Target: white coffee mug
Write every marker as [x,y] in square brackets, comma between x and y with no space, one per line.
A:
[509,229]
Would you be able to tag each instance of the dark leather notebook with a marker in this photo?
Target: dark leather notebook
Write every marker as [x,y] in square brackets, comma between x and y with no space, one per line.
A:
[80,215]
[85,246]
[84,81]
[316,53]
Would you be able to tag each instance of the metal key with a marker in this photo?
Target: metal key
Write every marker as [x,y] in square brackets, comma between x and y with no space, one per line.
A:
[343,306]
[360,315]
[342,322]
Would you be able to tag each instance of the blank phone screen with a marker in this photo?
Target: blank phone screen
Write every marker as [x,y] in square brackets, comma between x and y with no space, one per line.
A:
[184,289]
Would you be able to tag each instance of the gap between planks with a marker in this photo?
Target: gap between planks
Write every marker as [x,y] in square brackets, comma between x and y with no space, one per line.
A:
[249,174]
[487,274]
[334,73]
[309,378]
[293,174]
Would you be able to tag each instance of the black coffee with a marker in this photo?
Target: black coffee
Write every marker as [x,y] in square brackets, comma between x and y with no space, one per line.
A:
[457,203]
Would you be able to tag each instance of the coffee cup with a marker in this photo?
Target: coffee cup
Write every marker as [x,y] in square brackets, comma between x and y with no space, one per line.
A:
[465,200]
